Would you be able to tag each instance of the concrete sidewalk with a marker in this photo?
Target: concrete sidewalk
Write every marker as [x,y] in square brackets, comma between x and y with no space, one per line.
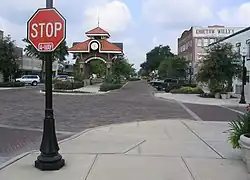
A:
[154,150]
[195,99]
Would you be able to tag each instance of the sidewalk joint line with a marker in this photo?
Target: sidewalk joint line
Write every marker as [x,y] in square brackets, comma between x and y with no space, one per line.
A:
[189,170]
[91,167]
[195,116]
[137,145]
[213,149]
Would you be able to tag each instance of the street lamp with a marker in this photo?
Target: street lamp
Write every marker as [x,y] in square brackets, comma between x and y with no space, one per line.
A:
[49,159]
[242,97]
[190,73]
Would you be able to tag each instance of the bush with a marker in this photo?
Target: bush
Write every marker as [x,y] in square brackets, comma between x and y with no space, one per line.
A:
[187,90]
[110,86]
[12,84]
[67,85]
[237,128]
[134,79]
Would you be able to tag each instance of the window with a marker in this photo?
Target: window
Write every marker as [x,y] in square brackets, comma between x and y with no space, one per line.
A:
[199,42]
[205,42]
[211,41]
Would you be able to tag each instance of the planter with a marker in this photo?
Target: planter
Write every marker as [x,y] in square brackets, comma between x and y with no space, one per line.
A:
[228,95]
[224,96]
[217,95]
[245,149]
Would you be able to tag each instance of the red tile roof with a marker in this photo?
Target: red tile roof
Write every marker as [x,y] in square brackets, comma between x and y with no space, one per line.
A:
[97,30]
[105,46]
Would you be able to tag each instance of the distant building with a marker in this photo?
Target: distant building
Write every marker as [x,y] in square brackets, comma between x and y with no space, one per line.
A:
[239,40]
[30,65]
[192,43]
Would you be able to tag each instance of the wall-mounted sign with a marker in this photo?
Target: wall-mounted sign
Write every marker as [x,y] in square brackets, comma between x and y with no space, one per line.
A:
[214,31]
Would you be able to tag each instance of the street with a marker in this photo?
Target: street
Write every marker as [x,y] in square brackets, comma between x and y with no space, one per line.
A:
[22,113]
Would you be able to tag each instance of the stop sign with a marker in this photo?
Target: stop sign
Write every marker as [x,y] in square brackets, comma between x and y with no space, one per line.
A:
[46,29]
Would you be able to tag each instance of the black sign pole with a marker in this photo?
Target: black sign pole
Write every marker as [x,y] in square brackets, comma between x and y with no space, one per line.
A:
[49,159]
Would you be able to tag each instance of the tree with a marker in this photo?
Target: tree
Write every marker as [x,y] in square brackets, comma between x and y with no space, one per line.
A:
[155,57]
[121,67]
[97,67]
[8,57]
[172,67]
[218,67]
[59,54]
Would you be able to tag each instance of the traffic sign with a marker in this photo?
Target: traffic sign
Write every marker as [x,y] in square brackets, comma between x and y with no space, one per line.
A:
[46,29]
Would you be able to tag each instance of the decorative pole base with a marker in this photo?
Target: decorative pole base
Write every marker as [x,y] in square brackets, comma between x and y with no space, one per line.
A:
[49,163]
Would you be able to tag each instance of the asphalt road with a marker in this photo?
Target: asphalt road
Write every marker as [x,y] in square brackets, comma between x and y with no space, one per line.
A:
[22,113]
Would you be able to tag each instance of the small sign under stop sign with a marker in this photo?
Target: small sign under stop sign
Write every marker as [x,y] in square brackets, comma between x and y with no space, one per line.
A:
[46,29]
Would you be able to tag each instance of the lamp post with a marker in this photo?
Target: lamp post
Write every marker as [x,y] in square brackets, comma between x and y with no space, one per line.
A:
[242,97]
[49,159]
[190,73]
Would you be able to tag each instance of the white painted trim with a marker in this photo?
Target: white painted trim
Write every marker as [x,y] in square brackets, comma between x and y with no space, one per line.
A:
[91,35]
[114,52]
[93,58]
[100,51]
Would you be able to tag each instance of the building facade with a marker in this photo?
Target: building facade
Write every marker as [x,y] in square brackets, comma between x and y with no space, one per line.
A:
[240,40]
[31,65]
[96,47]
[192,43]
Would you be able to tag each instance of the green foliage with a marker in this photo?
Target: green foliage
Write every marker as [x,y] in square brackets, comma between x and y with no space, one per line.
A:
[97,67]
[237,128]
[155,57]
[12,84]
[110,86]
[172,67]
[67,85]
[218,69]
[134,79]
[8,57]
[187,90]
[59,54]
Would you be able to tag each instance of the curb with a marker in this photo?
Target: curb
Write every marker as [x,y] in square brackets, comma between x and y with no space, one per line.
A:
[76,94]
[20,156]
[211,104]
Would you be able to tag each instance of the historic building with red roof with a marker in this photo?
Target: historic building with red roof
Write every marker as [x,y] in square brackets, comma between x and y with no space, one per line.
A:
[96,47]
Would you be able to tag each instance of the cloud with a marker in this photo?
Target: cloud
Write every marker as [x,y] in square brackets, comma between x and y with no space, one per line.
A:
[236,16]
[114,16]
[178,13]
[12,29]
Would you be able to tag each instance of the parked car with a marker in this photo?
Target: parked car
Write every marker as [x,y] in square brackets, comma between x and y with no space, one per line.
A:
[29,79]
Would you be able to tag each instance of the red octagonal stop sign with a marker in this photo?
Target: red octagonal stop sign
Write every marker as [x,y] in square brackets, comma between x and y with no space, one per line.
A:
[46,29]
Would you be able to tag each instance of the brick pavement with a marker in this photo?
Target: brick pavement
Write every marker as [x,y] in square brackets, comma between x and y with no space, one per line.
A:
[25,108]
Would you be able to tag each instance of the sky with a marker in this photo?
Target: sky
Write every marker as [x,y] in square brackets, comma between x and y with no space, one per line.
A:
[139,24]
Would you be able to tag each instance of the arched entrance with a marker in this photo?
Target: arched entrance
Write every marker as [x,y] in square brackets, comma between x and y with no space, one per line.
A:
[97,66]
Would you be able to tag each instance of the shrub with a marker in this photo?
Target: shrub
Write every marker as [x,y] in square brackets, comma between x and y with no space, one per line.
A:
[237,128]
[12,84]
[110,86]
[134,79]
[67,85]
[187,90]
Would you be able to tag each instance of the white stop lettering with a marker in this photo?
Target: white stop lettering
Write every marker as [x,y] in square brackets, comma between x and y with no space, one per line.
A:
[45,29]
